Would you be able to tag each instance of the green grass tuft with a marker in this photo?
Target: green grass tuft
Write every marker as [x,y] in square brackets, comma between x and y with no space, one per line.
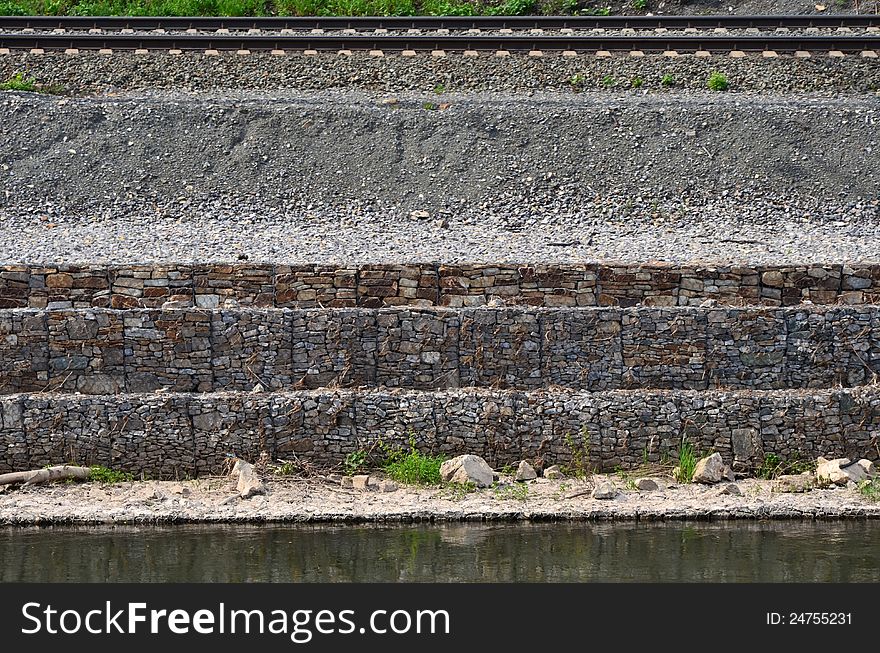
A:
[287,7]
[19,82]
[687,463]
[870,489]
[717,82]
[412,467]
[106,475]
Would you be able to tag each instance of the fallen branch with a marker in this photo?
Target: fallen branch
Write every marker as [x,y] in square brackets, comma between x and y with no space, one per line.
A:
[46,475]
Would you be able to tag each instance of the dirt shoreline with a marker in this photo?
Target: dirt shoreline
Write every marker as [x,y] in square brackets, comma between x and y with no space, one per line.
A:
[213,500]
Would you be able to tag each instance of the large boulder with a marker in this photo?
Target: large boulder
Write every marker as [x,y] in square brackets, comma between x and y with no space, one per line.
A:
[467,469]
[709,469]
[525,472]
[839,471]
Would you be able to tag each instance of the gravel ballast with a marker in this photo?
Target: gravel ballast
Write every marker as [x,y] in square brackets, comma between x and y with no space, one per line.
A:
[91,72]
[357,177]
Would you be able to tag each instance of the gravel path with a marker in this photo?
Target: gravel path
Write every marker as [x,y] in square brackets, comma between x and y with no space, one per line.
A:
[208,500]
[349,177]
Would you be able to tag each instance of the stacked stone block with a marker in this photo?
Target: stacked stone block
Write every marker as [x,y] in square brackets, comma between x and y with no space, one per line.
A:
[397,285]
[230,426]
[333,349]
[168,349]
[417,349]
[14,454]
[427,284]
[24,352]
[69,286]
[320,427]
[860,284]
[664,348]
[152,434]
[581,349]
[86,351]
[62,429]
[250,349]
[556,286]
[15,288]
[629,285]
[726,285]
[152,286]
[178,435]
[229,286]
[310,286]
[500,348]
[477,285]
[746,348]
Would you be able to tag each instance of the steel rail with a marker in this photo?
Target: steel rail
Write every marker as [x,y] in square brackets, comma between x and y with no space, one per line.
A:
[458,23]
[257,42]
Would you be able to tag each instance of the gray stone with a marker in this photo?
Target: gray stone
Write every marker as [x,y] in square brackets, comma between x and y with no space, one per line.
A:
[794,483]
[387,485]
[467,469]
[731,489]
[647,485]
[525,472]
[604,490]
[554,472]
[709,469]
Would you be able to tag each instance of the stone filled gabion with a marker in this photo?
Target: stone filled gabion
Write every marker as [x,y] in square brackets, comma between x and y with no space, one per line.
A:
[103,351]
[430,284]
[172,435]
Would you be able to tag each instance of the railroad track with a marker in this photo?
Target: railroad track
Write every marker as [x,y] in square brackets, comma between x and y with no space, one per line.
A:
[571,34]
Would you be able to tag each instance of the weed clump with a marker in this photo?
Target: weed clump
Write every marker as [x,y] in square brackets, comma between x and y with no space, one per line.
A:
[717,82]
[410,466]
[102,474]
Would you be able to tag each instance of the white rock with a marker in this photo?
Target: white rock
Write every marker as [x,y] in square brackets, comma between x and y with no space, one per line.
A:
[467,469]
[420,215]
[361,482]
[605,490]
[869,467]
[525,472]
[249,484]
[709,469]
[553,472]
[838,471]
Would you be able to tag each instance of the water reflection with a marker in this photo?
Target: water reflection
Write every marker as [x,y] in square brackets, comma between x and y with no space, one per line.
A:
[583,552]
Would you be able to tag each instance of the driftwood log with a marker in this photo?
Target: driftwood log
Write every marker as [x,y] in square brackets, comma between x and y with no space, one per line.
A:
[46,475]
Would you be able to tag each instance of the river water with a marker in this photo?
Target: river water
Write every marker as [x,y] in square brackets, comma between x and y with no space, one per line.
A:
[833,551]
